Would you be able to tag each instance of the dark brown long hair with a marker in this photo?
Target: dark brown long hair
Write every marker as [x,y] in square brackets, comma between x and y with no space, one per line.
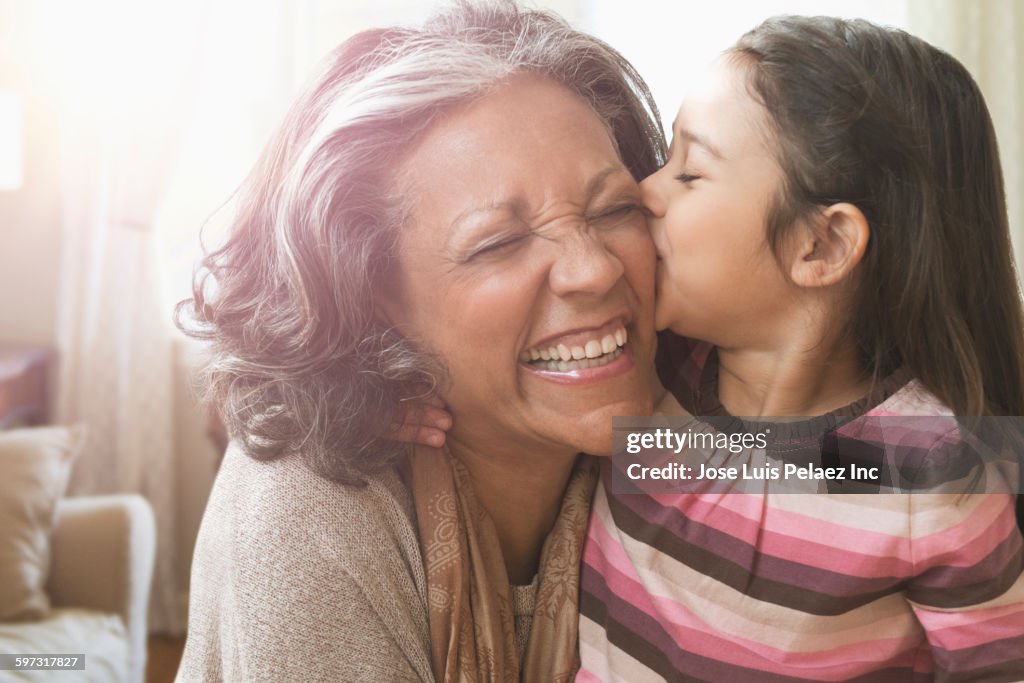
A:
[878,118]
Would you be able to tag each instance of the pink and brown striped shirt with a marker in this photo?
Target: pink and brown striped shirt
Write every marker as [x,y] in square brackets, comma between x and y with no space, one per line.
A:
[785,587]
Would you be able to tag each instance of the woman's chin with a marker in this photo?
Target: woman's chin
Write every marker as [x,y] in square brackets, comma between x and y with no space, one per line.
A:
[593,435]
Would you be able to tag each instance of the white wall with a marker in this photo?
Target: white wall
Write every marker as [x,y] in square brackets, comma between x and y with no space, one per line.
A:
[669,42]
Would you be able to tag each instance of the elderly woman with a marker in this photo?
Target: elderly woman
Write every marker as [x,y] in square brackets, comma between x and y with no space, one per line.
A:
[452,207]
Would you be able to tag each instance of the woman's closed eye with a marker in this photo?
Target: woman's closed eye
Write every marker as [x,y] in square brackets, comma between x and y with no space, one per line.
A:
[498,245]
[501,245]
[616,214]
[687,178]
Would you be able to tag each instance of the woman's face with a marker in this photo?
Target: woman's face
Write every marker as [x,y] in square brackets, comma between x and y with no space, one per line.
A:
[526,235]
[717,278]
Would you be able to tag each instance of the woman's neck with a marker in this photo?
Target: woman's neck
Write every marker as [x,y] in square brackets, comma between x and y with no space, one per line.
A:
[804,377]
[523,496]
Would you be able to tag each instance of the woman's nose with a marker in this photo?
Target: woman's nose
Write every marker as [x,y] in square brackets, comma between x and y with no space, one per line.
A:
[651,195]
[585,265]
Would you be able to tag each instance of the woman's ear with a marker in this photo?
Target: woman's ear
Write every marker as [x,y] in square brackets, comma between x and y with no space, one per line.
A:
[387,300]
[386,309]
[828,250]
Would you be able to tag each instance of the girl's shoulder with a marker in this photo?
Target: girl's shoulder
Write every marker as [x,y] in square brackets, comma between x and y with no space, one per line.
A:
[914,419]
[913,399]
[936,451]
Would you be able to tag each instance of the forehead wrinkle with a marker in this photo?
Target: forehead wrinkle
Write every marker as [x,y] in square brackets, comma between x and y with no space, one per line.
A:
[594,186]
[477,216]
[517,207]
[466,215]
[597,183]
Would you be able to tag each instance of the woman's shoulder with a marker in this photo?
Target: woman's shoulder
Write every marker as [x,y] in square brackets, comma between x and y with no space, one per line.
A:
[283,502]
[263,481]
[287,561]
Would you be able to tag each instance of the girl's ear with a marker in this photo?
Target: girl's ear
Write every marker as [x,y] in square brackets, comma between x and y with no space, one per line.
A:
[830,249]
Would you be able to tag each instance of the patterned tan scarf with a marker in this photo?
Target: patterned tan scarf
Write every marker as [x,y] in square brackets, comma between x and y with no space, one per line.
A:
[472,631]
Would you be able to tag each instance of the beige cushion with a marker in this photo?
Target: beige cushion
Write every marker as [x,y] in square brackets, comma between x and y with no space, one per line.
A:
[34,468]
[101,637]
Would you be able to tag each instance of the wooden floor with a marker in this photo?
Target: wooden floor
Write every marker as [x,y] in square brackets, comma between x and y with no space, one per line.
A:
[164,653]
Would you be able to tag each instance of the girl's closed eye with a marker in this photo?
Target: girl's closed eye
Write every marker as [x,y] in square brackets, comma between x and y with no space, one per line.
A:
[687,178]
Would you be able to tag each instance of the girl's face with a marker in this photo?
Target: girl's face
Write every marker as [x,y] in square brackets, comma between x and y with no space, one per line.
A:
[717,278]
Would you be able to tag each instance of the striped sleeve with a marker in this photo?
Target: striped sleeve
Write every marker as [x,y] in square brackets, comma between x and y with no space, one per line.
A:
[967,589]
[968,585]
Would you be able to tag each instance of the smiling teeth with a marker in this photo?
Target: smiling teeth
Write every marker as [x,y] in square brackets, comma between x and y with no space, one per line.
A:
[582,364]
[598,351]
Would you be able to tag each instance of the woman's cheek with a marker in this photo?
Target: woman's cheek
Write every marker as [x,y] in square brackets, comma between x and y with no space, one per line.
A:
[635,248]
[500,297]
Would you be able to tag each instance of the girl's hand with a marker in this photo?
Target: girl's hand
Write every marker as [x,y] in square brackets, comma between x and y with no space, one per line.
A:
[425,422]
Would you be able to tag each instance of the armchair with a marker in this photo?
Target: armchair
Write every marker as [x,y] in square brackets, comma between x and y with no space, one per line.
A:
[100,572]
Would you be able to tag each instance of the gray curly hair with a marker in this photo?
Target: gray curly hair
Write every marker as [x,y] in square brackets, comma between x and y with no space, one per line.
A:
[301,363]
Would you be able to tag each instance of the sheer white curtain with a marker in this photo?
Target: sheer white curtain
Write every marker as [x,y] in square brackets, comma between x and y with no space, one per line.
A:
[115,360]
[163,109]
[249,71]
[119,103]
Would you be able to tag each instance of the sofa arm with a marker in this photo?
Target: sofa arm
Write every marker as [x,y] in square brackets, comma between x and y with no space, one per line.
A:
[103,548]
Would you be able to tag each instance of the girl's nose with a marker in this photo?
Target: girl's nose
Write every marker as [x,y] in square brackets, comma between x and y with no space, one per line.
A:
[653,199]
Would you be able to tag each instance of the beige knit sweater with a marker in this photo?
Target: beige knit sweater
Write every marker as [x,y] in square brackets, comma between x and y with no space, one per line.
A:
[296,578]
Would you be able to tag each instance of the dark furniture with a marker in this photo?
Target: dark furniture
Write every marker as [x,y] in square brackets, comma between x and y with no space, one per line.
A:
[25,376]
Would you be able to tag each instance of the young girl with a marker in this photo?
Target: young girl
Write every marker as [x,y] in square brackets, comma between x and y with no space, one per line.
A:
[831,222]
